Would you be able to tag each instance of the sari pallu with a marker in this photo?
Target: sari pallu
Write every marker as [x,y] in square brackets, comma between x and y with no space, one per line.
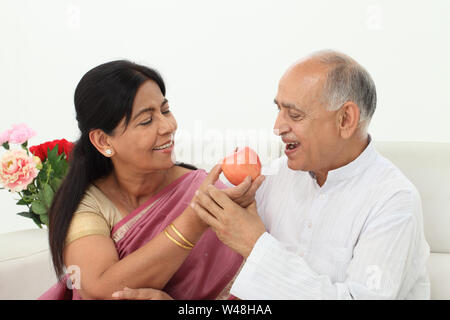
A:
[207,270]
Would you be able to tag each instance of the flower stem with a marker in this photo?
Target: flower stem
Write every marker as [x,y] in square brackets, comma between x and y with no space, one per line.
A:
[21,196]
[24,147]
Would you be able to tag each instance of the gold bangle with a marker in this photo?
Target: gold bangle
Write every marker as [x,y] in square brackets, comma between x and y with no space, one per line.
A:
[175,241]
[181,236]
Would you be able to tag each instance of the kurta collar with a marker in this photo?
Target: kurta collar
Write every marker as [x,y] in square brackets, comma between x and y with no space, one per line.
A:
[355,167]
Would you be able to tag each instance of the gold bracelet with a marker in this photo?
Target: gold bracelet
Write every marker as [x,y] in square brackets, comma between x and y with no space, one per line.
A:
[181,236]
[175,241]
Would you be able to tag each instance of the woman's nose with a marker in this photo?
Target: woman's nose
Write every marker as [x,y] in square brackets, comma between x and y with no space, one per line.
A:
[166,126]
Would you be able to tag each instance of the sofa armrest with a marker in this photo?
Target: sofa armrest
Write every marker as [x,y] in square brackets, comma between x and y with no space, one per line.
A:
[26,269]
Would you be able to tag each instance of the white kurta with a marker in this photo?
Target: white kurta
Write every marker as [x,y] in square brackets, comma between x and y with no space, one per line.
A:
[359,236]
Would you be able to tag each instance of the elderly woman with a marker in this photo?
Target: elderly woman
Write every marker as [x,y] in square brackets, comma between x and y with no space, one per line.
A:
[122,214]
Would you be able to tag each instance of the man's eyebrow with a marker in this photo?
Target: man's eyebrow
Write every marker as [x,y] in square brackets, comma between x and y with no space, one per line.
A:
[149,109]
[289,106]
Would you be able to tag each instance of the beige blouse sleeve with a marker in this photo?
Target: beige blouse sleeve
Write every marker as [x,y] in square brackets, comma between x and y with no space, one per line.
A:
[89,218]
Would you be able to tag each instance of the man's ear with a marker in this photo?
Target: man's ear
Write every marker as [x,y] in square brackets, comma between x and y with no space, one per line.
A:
[348,119]
[100,140]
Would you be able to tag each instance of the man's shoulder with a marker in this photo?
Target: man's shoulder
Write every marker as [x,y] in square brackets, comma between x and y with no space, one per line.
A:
[391,188]
[386,175]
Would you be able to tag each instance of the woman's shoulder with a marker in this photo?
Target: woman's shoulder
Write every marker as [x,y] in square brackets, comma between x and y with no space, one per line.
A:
[95,201]
[91,217]
[91,200]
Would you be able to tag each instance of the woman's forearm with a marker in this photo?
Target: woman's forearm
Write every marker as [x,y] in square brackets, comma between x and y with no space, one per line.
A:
[152,265]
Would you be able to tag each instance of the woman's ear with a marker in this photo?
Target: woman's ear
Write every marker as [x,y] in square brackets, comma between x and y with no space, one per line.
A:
[100,140]
[348,119]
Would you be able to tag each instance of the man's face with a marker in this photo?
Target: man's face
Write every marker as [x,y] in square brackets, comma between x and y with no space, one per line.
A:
[309,130]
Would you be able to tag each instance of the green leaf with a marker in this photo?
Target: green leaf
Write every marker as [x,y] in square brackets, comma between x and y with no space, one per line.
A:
[55,183]
[45,174]
[33,216]
[37,220]
[6,145]
[29,199]
[26,214]
[65,168]
[38,207]
[42,176]
[44,219]
[47,195]
[58,168]
[31,188]
[24,145]
[21,202]
[52,155]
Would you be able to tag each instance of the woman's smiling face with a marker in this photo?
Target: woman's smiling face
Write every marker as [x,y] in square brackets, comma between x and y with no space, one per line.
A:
[146,143]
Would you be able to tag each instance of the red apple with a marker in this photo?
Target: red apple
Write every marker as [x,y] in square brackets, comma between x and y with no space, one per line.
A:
[240,164]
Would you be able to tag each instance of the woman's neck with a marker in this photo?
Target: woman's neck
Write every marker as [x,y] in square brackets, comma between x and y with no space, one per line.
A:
[131,188]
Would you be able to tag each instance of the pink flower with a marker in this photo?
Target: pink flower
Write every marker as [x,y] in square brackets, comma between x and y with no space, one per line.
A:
[4,136]
[21,133]
[17,170]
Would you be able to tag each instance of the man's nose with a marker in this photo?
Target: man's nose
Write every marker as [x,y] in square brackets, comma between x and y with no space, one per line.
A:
[280,127]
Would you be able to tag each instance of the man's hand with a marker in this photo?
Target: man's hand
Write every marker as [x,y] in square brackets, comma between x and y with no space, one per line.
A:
[141,294]
[238,228]
[244,193]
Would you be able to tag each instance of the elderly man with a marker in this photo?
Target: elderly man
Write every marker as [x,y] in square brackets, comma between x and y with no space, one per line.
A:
[336,220]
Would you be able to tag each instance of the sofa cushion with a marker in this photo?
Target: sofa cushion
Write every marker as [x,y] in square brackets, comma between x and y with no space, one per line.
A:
[26,270]
[427,165]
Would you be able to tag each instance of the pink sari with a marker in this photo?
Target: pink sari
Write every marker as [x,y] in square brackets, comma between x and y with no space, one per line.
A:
[207,270]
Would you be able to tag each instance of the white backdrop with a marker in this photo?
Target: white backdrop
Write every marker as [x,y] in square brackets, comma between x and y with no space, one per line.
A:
[221,61]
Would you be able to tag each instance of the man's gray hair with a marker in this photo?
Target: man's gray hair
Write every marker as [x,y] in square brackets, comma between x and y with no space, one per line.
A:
[346,81]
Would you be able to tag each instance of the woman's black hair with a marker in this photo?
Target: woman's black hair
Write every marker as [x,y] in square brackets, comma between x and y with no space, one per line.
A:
[103,98]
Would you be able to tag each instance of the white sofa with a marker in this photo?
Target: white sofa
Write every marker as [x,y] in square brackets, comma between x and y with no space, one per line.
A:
[25,264]
[26,270]
[427,165]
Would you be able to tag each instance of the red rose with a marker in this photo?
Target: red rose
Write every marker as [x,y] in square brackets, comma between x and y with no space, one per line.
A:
[38,151]
[41,150]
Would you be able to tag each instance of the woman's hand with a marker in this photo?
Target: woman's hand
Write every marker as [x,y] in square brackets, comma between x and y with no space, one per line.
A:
[211,178]
[242,194]
[141,294]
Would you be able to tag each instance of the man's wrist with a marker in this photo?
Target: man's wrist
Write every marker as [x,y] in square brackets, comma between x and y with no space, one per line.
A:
[248,250]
